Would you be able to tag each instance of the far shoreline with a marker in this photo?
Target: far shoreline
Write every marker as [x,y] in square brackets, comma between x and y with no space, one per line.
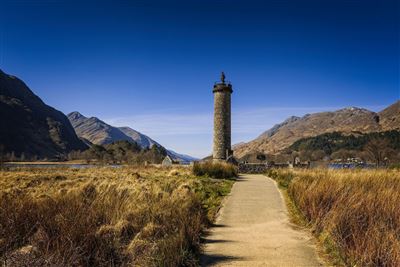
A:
[69,162]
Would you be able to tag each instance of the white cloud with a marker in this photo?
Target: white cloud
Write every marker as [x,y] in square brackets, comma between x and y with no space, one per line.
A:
[159,124]
[246,121]
[191,133]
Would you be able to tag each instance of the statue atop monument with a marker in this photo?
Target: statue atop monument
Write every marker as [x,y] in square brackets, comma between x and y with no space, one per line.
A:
[223,77]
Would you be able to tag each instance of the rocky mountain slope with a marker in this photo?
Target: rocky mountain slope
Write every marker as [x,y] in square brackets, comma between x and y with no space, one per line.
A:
[98,132]
[390,117]
[29,126]
[181,157]
[345,120]
[141,139]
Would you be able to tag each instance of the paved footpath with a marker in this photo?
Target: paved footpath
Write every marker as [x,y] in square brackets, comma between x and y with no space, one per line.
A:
[253,229]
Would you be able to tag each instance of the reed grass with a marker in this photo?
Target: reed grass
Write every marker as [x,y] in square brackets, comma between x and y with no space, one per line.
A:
[105,216]
[218,170]
[354,213]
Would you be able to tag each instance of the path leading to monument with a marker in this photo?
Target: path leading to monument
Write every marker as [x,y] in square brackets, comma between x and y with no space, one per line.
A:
[253,229]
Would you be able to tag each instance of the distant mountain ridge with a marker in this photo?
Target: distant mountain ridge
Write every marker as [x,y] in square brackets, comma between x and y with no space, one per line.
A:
[276,127]
[141,139]
[390,117]
[98,132]
[29,126]
[181,157]
[346,120]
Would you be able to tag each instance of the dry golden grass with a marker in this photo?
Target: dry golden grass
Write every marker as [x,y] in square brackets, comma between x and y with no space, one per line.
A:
[355,213]
[105,216]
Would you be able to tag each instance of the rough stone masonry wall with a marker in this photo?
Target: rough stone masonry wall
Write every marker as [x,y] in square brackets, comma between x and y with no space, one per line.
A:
[222,123]
[252,168]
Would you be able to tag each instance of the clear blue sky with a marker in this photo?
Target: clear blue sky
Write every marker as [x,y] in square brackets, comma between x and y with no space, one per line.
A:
[151,65]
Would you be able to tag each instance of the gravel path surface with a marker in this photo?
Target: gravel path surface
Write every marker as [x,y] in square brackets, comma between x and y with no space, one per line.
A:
[253,229]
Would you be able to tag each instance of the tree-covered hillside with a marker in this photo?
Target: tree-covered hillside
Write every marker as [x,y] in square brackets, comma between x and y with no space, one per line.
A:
[332,142]
[121,152]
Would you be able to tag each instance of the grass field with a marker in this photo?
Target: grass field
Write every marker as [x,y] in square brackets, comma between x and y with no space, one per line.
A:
[354,213]
[105,216]
[215,170]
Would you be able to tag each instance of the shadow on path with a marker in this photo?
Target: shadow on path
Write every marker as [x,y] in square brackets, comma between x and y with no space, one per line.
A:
[214,259]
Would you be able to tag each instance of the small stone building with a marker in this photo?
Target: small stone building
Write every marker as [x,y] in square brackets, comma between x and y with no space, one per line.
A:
[168,161]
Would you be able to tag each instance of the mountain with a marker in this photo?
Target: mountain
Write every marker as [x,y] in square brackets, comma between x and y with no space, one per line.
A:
[181,157]
[30,126]
[98,132]
[390,117]
[139,138]
[95,130]
[347,120]
[276,127]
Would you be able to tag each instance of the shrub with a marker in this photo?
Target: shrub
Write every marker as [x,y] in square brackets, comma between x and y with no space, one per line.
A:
[218,170]
[395,166]
[283,177]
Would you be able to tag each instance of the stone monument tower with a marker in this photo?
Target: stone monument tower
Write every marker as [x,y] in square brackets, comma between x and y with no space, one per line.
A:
[222,120]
